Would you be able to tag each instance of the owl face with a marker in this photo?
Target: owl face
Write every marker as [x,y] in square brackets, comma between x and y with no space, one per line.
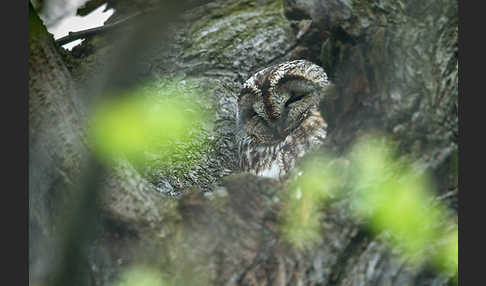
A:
[277,111]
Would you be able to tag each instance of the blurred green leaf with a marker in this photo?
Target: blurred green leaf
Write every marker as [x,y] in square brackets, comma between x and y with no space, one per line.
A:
[387,192]
[142,276]
[307,194]
[396,199]
[143,120]
[447,258]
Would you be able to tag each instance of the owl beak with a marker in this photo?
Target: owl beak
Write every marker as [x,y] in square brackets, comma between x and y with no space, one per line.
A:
[281,128]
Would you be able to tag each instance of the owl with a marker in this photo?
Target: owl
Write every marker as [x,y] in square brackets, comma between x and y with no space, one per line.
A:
[278,118]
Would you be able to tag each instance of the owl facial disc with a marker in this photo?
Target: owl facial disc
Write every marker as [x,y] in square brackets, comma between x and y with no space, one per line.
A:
[278,117]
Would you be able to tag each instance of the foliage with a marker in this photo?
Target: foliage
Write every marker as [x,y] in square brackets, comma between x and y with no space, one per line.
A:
[145,120]
[311,189]
[391,195]
[142,276]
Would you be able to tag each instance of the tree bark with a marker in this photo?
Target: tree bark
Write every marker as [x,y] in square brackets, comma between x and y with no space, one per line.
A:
[395,68]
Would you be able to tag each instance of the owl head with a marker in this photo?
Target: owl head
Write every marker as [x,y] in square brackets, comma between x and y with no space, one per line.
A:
[278,108]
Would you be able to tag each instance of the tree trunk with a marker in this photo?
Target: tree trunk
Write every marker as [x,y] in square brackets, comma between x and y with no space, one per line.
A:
[395,68]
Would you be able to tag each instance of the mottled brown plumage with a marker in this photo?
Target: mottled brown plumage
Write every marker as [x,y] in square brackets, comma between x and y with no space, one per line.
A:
[279,118]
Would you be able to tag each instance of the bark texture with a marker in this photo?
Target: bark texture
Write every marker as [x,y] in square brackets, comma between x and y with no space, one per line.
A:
[395,67]
[395,64]
[55,144]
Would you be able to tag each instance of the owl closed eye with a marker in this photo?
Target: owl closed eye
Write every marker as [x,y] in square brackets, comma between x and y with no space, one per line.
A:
[279,118]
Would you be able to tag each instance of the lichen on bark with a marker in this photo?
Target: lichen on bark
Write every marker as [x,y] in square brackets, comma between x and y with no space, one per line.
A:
[395,67]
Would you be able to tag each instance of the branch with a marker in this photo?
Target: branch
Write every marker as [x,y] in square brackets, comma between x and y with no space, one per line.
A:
[72,36]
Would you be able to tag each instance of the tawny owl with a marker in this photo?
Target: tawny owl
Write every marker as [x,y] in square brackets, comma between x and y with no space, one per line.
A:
[278,117]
